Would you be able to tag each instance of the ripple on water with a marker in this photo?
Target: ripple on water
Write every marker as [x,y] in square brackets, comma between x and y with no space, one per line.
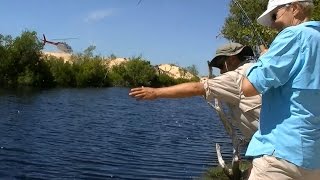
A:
[103,134]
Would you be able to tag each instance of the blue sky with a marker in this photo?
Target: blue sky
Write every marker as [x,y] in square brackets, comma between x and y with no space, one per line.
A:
[182,32]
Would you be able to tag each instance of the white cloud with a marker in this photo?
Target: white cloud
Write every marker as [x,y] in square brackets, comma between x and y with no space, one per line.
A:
[98,15]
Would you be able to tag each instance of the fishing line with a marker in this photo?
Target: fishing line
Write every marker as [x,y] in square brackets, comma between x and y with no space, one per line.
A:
[251,23]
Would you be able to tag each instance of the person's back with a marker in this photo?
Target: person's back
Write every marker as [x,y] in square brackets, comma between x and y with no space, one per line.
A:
[244,111]
[288,78]
[293,103]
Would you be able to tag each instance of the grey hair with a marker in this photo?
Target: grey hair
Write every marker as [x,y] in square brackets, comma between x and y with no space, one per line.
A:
[307,7]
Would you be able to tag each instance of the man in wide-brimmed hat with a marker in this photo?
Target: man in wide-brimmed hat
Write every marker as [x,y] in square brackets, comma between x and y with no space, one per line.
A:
[232,59]
[230,56]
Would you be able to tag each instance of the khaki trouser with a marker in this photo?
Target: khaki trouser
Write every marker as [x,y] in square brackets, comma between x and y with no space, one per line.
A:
[269,167]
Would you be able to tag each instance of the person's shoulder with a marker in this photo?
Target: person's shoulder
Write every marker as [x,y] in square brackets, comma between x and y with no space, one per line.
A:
[239,72]
[303,30]
[288,34]
[301,27]
[311,24]
[245,66]
[289,31]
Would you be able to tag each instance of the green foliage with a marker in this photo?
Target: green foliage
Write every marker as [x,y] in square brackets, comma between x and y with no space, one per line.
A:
[195,79]
[21,62]
[62,72]
[237,27]
[139,72]
[6,65]
[163,80]
[181,80]
[316,12]
[216,173]
[117,75]
[83,70]
[89,72]
[26,78]
[89,51]
[193,70]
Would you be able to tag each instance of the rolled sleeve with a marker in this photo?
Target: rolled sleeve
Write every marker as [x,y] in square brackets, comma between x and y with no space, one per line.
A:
[277,66]
[223,87]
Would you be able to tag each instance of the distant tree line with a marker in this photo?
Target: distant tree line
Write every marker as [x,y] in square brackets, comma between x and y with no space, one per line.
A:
[22,63]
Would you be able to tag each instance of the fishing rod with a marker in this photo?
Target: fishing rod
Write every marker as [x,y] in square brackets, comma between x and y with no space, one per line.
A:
[263,45]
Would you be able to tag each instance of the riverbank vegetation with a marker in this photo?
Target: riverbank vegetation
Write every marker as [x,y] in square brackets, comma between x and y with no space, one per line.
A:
[24,64]
[216,173]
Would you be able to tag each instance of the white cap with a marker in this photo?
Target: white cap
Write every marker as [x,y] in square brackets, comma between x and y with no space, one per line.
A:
[265,18]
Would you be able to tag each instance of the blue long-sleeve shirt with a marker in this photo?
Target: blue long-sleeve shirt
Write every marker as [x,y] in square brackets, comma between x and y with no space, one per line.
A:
[288,77]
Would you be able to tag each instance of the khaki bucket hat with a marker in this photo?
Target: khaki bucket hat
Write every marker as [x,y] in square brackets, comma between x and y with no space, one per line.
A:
[229,49]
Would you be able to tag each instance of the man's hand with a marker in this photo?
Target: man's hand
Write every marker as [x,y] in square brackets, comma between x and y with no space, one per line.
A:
[143,93]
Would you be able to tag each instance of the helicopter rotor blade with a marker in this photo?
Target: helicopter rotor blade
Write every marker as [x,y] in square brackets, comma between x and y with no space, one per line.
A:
[63,39]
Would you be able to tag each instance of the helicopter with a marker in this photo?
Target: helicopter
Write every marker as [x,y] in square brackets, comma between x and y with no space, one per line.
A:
[62,46]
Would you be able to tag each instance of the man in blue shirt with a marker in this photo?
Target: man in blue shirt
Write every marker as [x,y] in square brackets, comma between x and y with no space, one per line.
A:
[287,144]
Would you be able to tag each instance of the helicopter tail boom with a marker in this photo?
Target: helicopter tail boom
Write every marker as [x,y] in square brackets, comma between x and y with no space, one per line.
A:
[44,39]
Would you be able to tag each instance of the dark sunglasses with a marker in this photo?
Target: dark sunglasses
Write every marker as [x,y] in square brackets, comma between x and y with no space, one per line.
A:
[221,61]
[274,15]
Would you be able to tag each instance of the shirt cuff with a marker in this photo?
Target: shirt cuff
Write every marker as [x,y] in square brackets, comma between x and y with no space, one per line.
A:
[253,77]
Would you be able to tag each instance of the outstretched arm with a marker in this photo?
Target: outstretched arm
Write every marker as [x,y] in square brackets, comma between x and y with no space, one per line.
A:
[178,91]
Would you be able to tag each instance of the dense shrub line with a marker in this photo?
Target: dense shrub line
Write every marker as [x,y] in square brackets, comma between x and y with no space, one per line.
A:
[23,64]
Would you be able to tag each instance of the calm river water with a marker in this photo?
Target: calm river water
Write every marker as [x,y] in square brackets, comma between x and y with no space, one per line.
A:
[105,134]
